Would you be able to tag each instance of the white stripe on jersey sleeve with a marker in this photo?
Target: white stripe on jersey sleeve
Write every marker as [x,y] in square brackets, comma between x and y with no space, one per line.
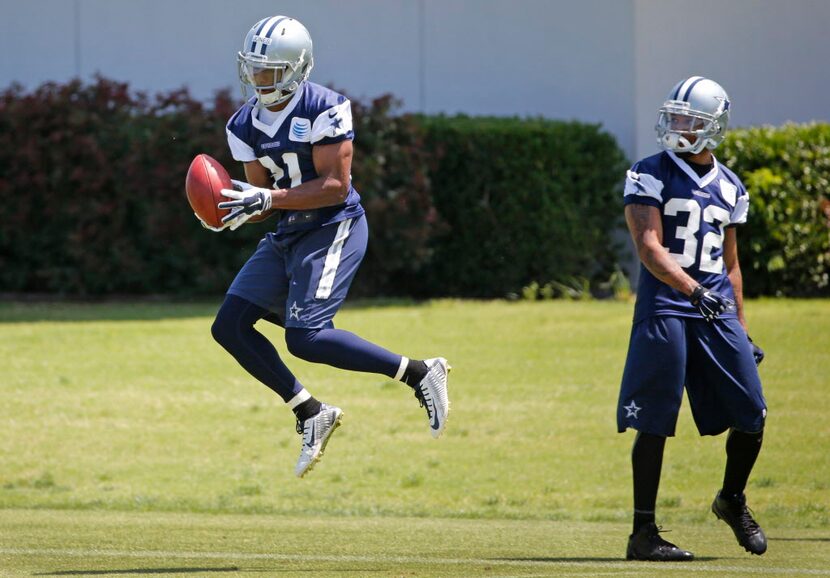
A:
[643,185]
[740,205]
[740,211]
[239,149]
[333,122]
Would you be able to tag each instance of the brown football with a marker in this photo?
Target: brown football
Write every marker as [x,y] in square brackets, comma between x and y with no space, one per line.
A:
[205,179]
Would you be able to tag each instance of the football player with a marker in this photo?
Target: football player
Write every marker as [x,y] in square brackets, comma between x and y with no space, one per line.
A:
[689,329]
[295,140]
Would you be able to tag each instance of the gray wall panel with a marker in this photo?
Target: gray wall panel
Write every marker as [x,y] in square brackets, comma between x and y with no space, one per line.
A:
[605,61]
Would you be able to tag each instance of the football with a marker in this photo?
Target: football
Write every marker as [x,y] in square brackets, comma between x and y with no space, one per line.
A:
[205,179]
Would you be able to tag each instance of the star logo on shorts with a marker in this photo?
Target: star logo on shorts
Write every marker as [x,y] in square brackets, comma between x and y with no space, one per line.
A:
[294,311]
[631,409]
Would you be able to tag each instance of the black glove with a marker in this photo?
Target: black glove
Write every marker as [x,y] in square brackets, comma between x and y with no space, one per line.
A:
[710,303]
[757,352]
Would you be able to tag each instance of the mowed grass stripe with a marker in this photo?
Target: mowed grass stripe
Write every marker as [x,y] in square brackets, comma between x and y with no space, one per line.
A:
[68,542]
[691,567]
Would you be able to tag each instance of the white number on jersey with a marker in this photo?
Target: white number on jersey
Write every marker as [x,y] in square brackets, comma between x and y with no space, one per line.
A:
[687,234]
[291,161]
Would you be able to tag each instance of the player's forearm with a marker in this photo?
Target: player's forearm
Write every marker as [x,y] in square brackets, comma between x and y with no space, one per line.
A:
[660,264]
[314,194]
[263,216]
[736,278]
[646,230]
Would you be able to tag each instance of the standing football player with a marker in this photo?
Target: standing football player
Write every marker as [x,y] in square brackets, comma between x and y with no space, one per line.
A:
[681,207]
[295,140]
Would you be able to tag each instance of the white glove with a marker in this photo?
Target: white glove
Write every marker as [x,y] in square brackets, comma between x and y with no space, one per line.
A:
[238,186]
[247,202]
[211,227]
[241,185]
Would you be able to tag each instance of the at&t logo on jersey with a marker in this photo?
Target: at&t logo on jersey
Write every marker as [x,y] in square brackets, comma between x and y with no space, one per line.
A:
[300,130]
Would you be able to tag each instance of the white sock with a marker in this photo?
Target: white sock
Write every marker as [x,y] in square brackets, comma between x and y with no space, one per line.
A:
[402,368]
[299,398]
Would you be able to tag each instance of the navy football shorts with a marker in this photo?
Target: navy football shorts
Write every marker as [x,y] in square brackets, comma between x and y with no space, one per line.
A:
[713,360]
[304,278]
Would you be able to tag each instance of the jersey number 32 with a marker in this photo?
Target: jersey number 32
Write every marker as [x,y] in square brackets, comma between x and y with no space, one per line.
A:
[713,240]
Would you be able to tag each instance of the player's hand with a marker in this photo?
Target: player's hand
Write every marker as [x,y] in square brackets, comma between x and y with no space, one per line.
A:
[710,303]
[245,204]
[241,185]
[211,227]
[237,186]
[757,352]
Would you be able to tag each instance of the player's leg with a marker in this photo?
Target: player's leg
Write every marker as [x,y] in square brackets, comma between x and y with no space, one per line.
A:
[646,466]
[234,330]
[259,292]
[323,264]
[742,449]
[729,505]
[650,396]
[725,392]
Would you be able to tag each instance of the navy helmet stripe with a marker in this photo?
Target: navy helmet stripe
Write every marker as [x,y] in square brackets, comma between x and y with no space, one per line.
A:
[689,90]
[689,82]
[258,32]
[269,31]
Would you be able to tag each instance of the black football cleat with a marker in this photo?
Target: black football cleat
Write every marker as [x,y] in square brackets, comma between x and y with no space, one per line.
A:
[646,544]
[735,512]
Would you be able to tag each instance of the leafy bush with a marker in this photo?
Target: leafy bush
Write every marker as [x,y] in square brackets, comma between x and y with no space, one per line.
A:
[96,175]
[390,171]
[785,246]
[92,181]
[524,201]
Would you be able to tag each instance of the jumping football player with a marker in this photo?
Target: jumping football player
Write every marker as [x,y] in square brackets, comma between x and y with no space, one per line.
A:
[295,140]
[689,328]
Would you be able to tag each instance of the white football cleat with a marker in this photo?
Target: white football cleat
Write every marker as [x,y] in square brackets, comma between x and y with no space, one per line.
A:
[431,392]
[316,432]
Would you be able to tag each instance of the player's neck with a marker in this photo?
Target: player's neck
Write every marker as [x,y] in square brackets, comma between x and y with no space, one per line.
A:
[704,157]
[276,107]
[279,106]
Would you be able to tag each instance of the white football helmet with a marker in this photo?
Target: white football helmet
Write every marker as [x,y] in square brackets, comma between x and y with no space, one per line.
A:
[696,107]
[275,59]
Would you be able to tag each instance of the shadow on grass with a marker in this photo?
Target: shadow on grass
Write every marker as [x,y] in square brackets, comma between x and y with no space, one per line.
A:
[17,309]
[585,560]
[149,571]
[137,571]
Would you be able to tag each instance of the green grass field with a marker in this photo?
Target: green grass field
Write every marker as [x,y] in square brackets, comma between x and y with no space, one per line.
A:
[130,443]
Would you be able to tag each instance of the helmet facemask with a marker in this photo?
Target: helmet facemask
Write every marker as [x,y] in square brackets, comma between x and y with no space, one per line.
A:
[694,117]
[272,82]
[683,130]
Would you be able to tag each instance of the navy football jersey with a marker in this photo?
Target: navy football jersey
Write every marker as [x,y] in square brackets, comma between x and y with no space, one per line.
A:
[315,115]
[696,210]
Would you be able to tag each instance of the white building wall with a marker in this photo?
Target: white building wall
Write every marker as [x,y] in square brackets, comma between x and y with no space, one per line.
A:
[605,61]
[771,56]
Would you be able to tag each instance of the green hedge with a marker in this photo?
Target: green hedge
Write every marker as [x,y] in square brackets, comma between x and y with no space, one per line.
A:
[92,181]
[525,201]
[785,246]
[96,174]
[93,177]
